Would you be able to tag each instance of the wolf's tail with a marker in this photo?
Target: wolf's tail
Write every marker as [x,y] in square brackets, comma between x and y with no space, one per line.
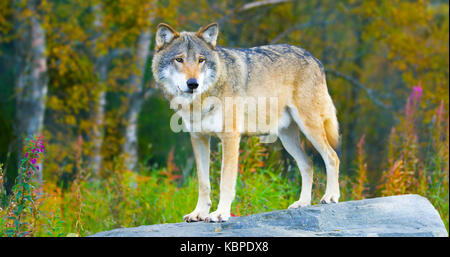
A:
[332,131]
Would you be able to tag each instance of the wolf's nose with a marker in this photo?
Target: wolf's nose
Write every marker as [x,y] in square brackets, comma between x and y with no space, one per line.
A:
[192,83]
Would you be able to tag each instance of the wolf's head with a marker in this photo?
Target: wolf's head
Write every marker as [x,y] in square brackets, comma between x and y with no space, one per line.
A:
[186,63]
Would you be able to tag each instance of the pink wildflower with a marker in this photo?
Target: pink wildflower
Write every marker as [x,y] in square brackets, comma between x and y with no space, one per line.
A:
[417,92]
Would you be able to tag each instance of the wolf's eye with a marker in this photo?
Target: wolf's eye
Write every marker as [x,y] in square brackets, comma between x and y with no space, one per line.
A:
[201,60]
[179,59]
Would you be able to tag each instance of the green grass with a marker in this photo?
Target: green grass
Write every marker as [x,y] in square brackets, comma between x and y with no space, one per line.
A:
[135,200]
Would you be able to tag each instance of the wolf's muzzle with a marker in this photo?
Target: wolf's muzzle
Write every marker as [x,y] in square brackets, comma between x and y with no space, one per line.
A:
[192,84]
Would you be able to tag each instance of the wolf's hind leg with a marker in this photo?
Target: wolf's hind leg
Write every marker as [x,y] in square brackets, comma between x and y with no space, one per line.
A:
[200,145]
[314,130]
[290,139]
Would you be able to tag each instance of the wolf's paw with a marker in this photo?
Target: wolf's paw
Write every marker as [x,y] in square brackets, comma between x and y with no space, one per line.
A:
[299,203]
[330,198]
[218,216]
[196,215]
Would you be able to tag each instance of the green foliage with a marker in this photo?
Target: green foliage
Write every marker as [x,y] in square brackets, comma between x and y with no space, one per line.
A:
[155,136]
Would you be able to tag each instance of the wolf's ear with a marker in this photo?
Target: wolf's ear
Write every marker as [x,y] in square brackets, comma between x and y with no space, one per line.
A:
[209,33]
[164,35]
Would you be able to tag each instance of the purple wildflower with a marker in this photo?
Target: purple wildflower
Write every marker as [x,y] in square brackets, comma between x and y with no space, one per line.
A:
[417,92]
[33,161]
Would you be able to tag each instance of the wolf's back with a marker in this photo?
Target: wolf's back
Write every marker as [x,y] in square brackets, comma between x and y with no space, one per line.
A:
[270,54]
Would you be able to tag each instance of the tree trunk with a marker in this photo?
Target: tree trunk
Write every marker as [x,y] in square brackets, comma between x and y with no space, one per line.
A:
[135,100]
[98,110]
[98,114]
[31,77]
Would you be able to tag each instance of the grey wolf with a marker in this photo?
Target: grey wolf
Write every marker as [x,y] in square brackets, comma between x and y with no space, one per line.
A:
[189,65]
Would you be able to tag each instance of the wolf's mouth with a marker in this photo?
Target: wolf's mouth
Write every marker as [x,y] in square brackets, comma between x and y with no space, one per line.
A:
[189,91]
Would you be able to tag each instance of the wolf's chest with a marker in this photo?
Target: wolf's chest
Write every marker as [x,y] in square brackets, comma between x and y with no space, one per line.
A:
[205,122]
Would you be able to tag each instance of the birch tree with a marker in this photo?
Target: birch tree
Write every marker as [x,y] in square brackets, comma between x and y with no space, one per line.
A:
[98,112]
[31,71]
[135,99]
[136,95]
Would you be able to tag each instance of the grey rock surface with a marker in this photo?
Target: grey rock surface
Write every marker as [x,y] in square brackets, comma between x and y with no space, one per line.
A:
[402,215]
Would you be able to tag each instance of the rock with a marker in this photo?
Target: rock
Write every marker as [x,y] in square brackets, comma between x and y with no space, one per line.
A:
[403,215]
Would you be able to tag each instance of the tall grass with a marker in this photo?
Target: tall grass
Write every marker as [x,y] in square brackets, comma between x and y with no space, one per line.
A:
[418,158]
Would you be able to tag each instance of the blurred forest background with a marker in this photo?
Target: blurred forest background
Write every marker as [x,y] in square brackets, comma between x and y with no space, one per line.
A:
[78,73]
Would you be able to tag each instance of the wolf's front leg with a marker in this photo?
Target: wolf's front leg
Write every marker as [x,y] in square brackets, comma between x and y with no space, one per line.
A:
[200,144]
[230,156]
